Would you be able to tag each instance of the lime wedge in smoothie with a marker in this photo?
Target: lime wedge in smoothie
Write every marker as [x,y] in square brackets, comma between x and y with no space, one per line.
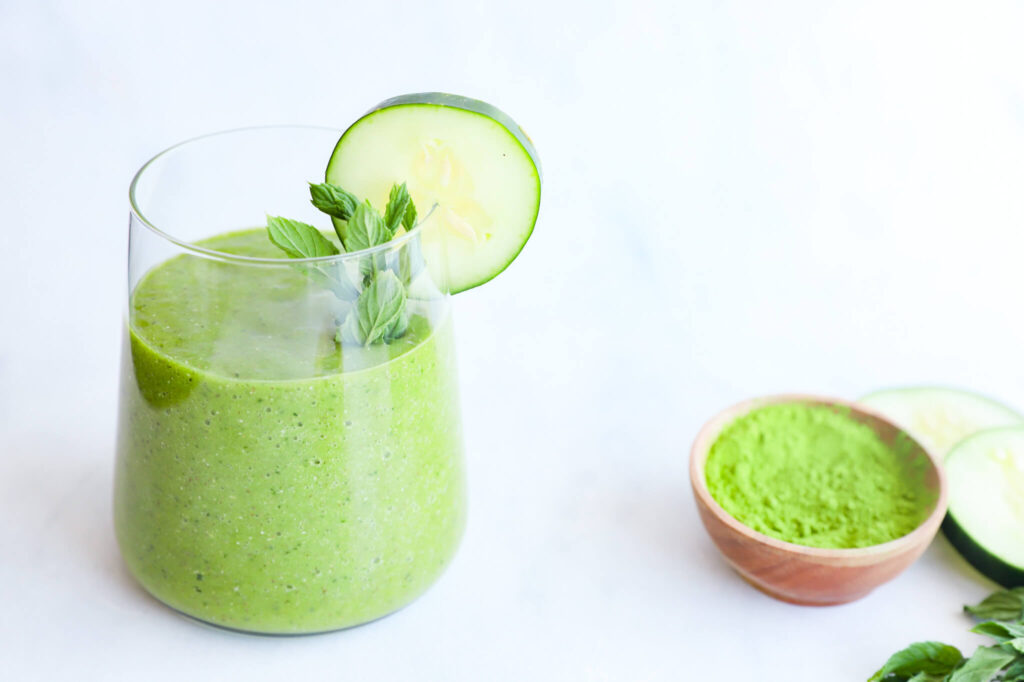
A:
[465,158]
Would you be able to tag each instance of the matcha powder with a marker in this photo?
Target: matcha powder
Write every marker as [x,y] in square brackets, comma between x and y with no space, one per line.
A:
[812,476]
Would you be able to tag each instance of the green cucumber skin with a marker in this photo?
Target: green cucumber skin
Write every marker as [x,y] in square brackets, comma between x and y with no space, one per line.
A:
[987,563]
[940,387]
[474,106]
[982,558]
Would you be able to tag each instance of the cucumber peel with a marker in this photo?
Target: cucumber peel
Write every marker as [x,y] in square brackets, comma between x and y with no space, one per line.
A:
[982,444]
[940,417]
[463,158]
[985,522]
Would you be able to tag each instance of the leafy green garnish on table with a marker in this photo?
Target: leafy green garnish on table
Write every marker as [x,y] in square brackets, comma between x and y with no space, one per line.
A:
[376,310]
[983,665]
[1004,605]
[999,630]
[938,662]
[934,659]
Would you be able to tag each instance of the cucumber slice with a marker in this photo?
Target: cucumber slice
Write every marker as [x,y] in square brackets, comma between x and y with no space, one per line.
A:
[939,418]
[467,157]
[986,503]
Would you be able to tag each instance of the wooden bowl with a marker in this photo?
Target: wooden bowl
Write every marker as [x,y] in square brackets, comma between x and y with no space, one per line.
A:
[810,575]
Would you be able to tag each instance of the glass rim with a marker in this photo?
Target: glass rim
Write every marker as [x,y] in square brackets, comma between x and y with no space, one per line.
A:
[136,210]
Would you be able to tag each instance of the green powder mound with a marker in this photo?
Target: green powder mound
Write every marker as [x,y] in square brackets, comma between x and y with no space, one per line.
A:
[812,476]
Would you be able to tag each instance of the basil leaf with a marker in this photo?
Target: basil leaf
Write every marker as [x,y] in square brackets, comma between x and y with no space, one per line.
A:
[333,200]
[1002,605]
[298,239]
[1000,631]
[931,658]
[379,313]
[398,204]
[1015,673]
[983,665]
[1015,645]
[922,677]
[366,229]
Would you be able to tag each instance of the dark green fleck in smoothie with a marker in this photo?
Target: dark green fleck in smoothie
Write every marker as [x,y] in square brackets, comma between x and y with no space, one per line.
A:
[268,480]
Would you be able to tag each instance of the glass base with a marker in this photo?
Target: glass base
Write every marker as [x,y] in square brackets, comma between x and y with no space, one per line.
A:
[258,633]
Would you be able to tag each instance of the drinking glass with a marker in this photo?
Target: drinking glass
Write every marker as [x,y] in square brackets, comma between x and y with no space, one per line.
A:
[273,475]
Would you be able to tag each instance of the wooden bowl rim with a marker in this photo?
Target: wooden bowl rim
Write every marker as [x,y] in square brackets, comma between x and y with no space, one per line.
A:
[713,427]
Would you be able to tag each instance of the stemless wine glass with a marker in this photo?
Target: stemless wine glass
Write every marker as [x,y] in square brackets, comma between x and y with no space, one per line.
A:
[273,475]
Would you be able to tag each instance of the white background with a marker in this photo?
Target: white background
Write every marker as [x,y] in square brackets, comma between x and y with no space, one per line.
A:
[740,198]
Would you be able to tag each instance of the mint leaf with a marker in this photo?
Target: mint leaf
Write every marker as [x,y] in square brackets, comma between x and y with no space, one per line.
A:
[298,239]
[378,308]
[409,220]
[398,329]
[333,200]
[1000,631]
[983,665]
[399,202]
[366,229]
[1002,605]
[379,313]
[931,658]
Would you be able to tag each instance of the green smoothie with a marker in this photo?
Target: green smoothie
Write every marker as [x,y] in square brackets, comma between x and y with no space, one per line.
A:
[269,479]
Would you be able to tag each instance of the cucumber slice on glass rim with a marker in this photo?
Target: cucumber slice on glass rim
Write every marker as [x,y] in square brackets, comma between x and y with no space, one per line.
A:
[986,503]
[461,155]
[939,417]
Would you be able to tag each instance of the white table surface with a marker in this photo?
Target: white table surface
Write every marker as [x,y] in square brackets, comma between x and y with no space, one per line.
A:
[739,199]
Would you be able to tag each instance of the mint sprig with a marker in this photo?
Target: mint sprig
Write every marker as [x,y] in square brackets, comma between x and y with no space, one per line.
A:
[379,314]
[375,312]
[366,229]
[302,240]
[938,662]
[298,239]
[410,215]
[333,200]
[398,205]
